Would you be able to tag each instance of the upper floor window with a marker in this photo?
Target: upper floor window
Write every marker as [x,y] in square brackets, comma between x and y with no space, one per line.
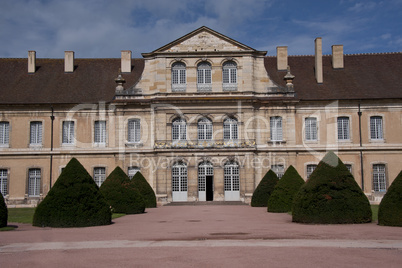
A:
[35,133]
[179,129]
[276,128]
[230,130]
[3,182]
[99,175]
[100,132]
[134,130]
[68,132]
[204,77]
[34,180]
[4,133]
[132,171]
[376,129]
[229,75]
[178,76]
[379,178]
[310,169]
[343,128]
[204,129]
[310,128]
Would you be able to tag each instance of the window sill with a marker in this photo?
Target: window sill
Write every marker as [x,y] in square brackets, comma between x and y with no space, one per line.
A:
[134,144]
[99,145]
[276,142]
[35,146]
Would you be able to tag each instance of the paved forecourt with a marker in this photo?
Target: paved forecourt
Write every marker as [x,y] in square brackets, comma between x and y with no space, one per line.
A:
[195,236]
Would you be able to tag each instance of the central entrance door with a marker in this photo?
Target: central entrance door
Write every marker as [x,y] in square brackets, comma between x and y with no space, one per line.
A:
[205,181]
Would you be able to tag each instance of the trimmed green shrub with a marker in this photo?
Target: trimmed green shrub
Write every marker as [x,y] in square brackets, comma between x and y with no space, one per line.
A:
[3,212]
[264,189]
[281,199]
[140,183]
[74,201]
[330,196]
[121,195]
[390,209]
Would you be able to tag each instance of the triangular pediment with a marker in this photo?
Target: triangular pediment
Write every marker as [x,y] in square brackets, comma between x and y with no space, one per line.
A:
[203,40]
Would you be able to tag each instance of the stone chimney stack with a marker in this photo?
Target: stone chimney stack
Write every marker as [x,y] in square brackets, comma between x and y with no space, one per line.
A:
[318,60]
[126,61]
[282,58]
[337,56]
[31,62]
[69,61]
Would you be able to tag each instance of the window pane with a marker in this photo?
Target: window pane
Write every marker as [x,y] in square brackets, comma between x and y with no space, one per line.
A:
[231,177]
[68,132]
[343,128]
[3,182]
[134,130]
[179,177]
[276,128]
[229,72]
[132,171]
[36,133]
[311,128]
[100,132]
[99,175]
[376,131]
[179,129]
[310,169]
[204,129]
[279,170]
[34,177]
[379,178]
[230,131]
[4,133]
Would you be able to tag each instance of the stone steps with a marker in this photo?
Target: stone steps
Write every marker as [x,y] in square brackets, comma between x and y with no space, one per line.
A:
[208,203]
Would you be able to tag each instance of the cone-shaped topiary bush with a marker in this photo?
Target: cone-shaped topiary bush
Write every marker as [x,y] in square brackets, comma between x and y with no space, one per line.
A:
[140,183]
[390,210]
[121,195]
[264,189]
[74,201]
[281,199]
[331,195]
[3,212]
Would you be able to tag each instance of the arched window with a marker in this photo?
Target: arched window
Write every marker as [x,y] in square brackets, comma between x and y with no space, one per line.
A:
[179,181]
[204,129]
[229,73]
[204,169]
[179,129]
[231,181]
[178,76]
[230,131]
[204,76]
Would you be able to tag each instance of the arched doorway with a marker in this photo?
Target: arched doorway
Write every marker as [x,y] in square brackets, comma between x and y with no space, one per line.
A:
[205,181]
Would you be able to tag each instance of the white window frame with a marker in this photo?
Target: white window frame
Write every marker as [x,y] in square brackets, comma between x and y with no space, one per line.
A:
[4,181]
[34,182]
[134,130]
[179,129]
[376,128]
[276,129]
[99,175]
[35,133]
[179,76]
[68,132]
[311,128]
[279,170]
[230,129]
[131,171]
[100,132]
[343,128]
[204,76]
[379,177]
[229,76]
[310,169]
[231,176]
[4,134]
[204,129]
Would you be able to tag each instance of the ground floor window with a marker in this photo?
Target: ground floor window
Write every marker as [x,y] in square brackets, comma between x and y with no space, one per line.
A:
[99,175]
[310,169]
[132,171]
[34,179]
[379,178]
[4,181]
[231,176]
[279,170]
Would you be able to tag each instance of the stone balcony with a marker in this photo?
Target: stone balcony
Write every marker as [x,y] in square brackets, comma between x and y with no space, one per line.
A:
[201,144]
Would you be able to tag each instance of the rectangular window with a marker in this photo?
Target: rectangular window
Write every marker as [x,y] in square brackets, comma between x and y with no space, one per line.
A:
[310,128]
[35,133]
[134,130]
[349,167]
[100,132]
[99,175]
[132,171]
[68,132]
[34,178]
[379,178]
[343,128]
[3,182]
[4,133]
[376,130]
[279,170]
[276,128]
[310,169]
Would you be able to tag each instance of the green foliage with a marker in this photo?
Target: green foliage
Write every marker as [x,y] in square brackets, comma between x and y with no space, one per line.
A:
[74,201]
[121,195]
[3,212]
[390,210]
[331,196]
[264,189]
[140,183]
[281,199]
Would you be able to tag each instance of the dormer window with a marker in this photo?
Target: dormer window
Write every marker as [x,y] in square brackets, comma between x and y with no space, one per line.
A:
[204,77]
[178,76]
[229,72]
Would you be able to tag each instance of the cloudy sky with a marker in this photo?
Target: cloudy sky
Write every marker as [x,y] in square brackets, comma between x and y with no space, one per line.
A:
[102,28]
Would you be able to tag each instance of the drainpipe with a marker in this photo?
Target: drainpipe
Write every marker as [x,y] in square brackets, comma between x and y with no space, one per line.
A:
[51,147]
[361,147]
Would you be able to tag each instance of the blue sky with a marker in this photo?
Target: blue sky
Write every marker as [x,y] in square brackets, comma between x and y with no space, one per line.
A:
[102,28]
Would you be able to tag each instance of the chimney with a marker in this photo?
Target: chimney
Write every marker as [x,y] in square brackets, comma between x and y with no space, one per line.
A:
[31,62]
[126,61]
[337,56]
[69,61]
[318,60]
[282,58]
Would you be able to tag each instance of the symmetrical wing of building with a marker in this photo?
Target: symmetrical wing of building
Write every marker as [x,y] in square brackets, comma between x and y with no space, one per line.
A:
[203,118]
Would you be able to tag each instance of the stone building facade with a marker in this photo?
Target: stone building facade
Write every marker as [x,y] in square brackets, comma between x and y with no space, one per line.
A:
[203,118]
